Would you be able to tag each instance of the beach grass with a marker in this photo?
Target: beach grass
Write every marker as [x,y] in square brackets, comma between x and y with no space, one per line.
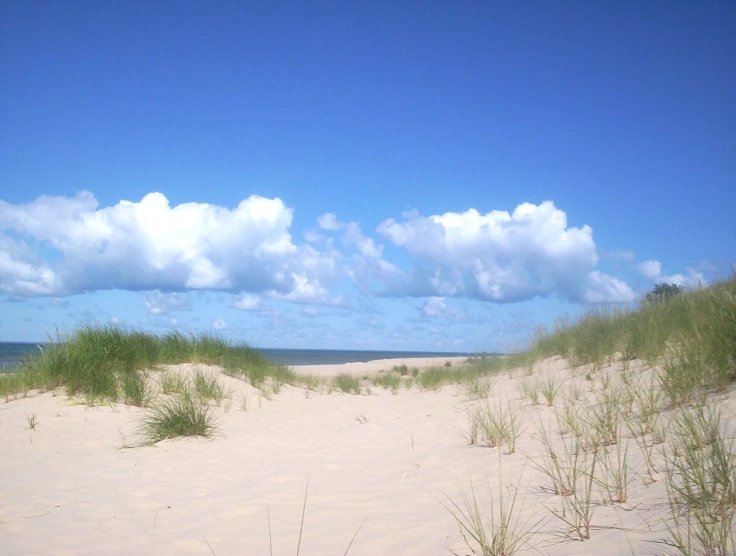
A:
[106,363]
[347,383]
[691,336]
[685,352]
[181,415]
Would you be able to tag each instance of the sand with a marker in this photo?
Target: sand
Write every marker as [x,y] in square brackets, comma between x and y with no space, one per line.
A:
[386,461]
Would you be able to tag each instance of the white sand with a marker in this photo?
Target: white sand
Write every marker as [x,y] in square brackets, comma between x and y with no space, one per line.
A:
[372,367]
[67,487]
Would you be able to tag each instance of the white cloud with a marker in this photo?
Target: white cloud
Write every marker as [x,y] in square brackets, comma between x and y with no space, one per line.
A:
[246,302]
[650,269]
[365,245]
[496,257]
[693,279]
[329,221]
[157,303]
[436,307]
[219,324]
[150,245]
[653,270]
[601,288]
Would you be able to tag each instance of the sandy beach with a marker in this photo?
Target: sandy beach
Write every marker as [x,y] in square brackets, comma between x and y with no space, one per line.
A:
[382,464]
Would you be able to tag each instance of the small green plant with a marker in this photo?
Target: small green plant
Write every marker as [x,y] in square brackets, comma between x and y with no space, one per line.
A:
[32,421]
[569,420]
[347,383]
[502,534]
[615,471]
[549,386]
[497,424]
[207,386]
[529,389]
[182,415]
[388,381]
[448,364]
[172,383]
[403,370]
[701,484]
[136,388]
[477,388]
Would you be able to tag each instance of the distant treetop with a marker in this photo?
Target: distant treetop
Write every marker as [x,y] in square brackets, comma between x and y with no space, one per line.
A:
[662,292]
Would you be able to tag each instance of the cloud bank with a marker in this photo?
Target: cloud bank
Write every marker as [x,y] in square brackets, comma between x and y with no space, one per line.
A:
[150,245]
[497,256]
[56,246]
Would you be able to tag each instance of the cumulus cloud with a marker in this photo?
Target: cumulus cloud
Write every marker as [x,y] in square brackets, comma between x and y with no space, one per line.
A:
[329,221]
[157,303]
[219,324]
[650,269]
[693,279]
[496,256]
[653,270]
[151,245]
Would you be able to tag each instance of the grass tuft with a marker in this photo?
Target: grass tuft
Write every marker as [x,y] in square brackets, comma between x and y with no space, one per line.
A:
[182,415]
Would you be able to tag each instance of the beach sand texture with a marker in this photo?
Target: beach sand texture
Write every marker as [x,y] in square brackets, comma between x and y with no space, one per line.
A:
[386,461]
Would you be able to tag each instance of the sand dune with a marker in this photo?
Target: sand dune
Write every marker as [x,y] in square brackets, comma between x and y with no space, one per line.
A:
[386,461]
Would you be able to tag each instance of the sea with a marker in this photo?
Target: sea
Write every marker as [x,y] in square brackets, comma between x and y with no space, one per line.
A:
[12,353]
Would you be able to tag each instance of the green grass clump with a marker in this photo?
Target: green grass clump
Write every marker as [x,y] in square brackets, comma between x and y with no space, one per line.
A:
[182,415]
[104,363]
[136,389]
[172,383]
[347,383]
[207,387]
[389,381]
[692,336]
[701,484]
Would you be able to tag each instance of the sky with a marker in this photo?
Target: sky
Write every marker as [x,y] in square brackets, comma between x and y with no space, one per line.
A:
[418,175]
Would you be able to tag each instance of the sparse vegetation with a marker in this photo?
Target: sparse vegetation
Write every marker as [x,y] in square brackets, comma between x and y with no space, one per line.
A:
[32,421]
[347,383]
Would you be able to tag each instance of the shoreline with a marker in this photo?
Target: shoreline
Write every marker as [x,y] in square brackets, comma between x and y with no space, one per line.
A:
[360,368]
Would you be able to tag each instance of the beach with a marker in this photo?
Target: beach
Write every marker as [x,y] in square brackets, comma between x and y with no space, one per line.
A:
[375,473]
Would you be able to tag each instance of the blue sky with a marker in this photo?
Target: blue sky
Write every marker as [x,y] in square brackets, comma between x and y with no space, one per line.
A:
[432,176]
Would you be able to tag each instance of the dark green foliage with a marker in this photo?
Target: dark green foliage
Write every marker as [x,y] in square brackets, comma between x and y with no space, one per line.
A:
[663,292]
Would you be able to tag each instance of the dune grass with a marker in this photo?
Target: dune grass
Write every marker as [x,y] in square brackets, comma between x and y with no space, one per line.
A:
[667,403]
[691,337]
[346,383]
[106,363]
[181,415]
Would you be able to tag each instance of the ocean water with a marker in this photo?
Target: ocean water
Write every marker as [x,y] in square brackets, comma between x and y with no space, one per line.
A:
[12,353]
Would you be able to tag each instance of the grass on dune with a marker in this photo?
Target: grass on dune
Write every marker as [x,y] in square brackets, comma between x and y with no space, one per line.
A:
[691,336]
[106,363]
[668,405]
[181,415]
